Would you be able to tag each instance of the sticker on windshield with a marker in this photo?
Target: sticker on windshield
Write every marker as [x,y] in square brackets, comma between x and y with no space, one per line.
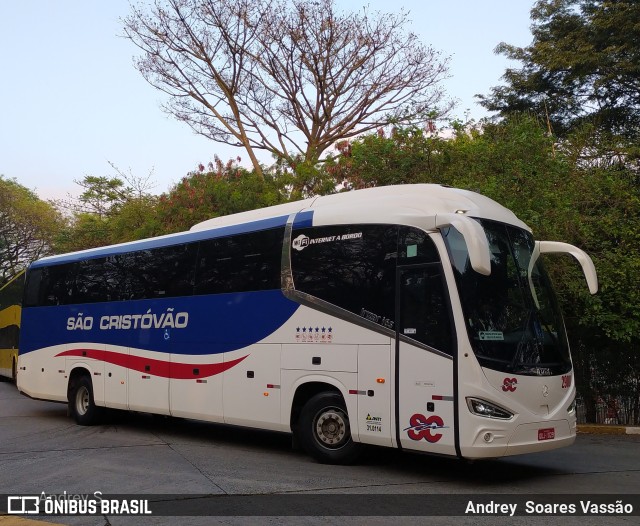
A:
[491,336]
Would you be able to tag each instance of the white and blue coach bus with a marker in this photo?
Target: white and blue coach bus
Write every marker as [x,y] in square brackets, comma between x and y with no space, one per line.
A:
[418,317]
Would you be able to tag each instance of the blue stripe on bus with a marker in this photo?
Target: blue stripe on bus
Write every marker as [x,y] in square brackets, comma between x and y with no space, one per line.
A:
[196,325]
[303,219]
[164,241]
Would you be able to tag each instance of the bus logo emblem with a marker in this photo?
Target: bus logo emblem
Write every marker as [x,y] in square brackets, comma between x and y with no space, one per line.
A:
[510,385]
[423,427]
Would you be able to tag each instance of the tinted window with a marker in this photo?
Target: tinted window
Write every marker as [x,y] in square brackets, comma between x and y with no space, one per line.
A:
[351,266]
[512,317]
[9,337]
[57,285]
[159,273]
[232,264]
[240,263]
[33,288]
[424,312]
[94,281]
[415,246]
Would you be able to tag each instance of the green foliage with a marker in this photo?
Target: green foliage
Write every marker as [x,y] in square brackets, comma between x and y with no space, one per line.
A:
[27,227]
[103,195]
[407,155]
[583,65]
[581,76]
[583,190]
[137,218]
[108,211]
[221,190]
[85,230]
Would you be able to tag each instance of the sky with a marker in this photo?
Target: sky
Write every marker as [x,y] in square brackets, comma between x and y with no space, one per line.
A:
[71,101]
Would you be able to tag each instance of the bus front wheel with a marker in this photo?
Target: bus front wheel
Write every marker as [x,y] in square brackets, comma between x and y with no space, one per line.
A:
[324,431]
[81,404]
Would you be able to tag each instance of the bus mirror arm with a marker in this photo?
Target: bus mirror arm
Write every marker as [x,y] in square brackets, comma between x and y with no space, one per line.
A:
[588,268]
[474,237]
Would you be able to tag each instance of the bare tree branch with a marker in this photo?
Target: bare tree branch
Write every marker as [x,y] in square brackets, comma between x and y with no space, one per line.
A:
[289,78]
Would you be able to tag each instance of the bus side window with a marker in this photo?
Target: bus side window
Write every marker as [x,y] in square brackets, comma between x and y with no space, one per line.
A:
[57,285]
[240,263]
[350,266]
[32,290]
[415,247]
[424,312]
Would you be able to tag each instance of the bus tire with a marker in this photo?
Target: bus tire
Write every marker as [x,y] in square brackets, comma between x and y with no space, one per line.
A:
[324,431]
[14,372]
[81,404]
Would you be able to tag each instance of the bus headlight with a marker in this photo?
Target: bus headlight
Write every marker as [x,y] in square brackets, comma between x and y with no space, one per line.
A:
[572,407]
[483,408]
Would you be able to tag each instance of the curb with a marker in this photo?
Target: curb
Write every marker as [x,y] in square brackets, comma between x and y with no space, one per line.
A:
[606,429]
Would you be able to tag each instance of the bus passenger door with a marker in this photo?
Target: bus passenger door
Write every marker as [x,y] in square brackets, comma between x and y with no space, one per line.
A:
[424,391]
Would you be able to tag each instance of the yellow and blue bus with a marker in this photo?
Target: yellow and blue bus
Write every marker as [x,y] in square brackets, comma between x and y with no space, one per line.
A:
[10,307]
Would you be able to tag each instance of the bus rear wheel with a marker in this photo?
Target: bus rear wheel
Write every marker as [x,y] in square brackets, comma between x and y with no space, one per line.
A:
[81,404]
[324,431]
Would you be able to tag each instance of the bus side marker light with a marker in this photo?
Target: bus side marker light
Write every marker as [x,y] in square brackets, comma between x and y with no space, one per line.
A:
[380,380]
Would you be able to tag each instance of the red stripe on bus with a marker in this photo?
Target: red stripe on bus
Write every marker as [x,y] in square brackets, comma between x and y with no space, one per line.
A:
[175,370]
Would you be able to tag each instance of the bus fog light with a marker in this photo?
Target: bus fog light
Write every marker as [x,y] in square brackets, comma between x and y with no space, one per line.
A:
[488,438]
[481,407]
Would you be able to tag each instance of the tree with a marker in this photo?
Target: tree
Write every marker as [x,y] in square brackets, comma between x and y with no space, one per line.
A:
[406,155]
[582,65]
[576,190]
[109,210]
[27,227]
[288,78]
[216,190]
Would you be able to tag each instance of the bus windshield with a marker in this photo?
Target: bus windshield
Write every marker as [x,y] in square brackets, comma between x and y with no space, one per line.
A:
[512,316]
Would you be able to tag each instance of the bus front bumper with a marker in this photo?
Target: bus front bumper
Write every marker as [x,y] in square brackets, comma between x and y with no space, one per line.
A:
[491,442]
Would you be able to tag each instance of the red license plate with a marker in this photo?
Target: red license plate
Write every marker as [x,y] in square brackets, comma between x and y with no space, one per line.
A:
[547,434]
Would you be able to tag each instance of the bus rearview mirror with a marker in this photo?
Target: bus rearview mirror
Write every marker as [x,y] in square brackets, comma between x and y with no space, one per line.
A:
[588,268]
